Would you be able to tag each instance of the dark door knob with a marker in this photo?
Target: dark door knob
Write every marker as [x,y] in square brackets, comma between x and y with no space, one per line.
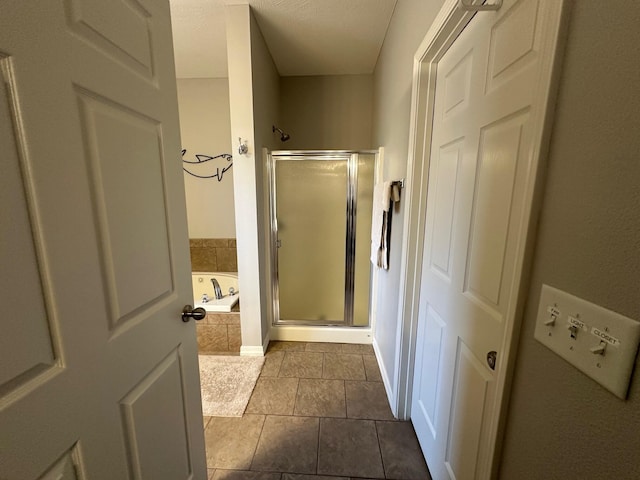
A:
[491,359]
[188,312]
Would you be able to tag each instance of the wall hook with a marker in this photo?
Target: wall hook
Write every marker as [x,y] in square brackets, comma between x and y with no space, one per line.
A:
[243,148]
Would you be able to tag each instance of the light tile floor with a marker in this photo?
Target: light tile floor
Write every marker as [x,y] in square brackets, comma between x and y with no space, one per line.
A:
[319,411]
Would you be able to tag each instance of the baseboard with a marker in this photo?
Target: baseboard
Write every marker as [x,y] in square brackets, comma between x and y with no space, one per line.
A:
[252,351]
[320,334]
[386,381]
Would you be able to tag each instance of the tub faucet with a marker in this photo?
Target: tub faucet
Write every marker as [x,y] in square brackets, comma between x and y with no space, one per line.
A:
[216,288]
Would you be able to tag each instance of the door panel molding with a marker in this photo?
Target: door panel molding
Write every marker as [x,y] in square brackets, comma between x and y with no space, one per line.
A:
[128,43]
[160,394]
[29,338]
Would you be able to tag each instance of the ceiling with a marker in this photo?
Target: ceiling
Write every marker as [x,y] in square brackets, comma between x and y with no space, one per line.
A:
[305,37]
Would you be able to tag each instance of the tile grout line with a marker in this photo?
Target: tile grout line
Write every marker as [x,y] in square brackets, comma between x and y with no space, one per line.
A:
[295,398]
[281,363]
[346,405]
[384,470]
[255,449]
[318,449]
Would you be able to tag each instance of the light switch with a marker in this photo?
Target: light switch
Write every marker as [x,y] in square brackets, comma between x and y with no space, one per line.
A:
[601,343]
[599,349]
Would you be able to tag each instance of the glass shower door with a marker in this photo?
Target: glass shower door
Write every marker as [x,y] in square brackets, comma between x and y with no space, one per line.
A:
[311,226]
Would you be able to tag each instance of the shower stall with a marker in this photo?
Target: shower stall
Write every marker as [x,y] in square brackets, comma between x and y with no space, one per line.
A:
[320,214]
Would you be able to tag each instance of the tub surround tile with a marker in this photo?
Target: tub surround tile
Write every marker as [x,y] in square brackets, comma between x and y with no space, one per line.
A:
[341,366]
[349,448]
[219,333]
[287,444]
[235,338]
[273,396]
[371,368]
[210,473]
[215,242]
[222,319]
[320,398]
[212,338]
[227,259]
[232,318]
[203,260]
[367,400]
[231,441]
[401,454]
[272,363]
[301,365]
[213,254]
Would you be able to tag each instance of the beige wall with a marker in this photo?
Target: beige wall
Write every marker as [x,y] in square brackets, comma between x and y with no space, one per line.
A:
[560,424]
[205,128]
[392,108]
[266,101]
[327,112]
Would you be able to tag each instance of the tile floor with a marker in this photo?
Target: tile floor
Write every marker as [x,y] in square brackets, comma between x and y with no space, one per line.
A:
[318,412]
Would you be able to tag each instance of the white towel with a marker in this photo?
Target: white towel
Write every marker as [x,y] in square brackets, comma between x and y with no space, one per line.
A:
[381,202]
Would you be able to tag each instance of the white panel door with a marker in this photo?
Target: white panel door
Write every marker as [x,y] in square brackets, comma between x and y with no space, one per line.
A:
[481,174]
[98,373]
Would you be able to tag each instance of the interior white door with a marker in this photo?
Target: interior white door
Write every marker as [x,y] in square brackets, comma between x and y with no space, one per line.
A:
[485,138]
[98,373]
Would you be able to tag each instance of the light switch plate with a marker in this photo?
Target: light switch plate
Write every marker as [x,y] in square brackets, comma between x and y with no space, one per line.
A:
[601,343]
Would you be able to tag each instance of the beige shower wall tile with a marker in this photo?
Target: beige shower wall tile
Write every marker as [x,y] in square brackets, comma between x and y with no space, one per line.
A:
[232,243]
[195,242]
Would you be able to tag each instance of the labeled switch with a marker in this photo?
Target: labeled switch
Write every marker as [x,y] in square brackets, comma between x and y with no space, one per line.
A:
[599,349]
[554,313]
[573,330]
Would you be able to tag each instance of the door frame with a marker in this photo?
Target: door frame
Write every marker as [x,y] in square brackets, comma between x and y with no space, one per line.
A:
[448,24]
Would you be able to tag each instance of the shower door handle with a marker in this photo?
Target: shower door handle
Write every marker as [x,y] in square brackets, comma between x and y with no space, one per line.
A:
[188,312]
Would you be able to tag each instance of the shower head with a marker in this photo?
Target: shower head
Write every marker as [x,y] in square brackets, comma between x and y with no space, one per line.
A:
[283,136]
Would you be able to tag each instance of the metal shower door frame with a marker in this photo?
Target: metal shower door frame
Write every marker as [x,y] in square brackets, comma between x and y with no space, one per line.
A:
[351,157]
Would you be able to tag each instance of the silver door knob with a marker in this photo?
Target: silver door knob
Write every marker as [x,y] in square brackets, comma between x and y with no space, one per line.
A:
[188,312]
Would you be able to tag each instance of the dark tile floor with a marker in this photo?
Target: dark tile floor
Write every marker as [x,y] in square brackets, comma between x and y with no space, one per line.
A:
[319,411]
